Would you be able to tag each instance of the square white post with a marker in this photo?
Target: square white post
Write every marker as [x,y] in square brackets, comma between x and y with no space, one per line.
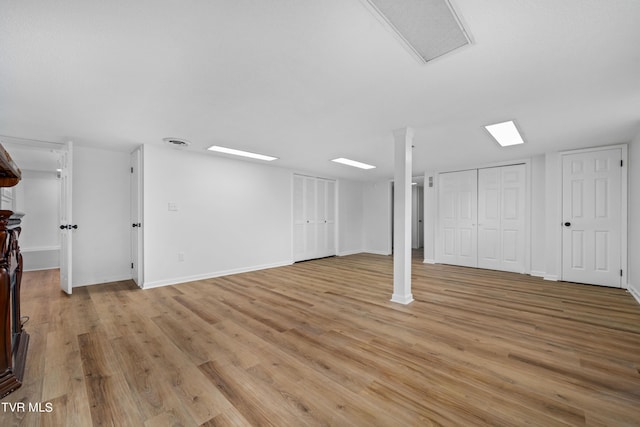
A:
[402,217]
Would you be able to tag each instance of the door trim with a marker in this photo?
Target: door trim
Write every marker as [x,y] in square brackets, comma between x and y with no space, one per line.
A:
[624,196]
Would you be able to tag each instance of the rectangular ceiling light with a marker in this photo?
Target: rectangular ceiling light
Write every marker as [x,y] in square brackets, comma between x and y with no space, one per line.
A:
[235,152]
[505,133]
[353,163]
[427,28]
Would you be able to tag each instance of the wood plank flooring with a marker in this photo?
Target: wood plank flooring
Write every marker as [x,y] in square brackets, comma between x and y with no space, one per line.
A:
[319,343]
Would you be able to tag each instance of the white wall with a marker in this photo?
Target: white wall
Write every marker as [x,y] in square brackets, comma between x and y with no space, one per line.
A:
[538,215]
[430,218]
[633,276]
[232,216]
[377,217]
[553,217]
[101,245]
[350,217]
[38,196]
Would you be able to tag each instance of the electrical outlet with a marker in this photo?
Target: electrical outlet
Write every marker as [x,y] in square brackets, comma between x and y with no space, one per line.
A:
[173,206]
[180,256]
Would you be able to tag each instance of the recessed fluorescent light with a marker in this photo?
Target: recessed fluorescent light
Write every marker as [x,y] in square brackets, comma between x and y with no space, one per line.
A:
[505,133]
[241,153]
[352,163]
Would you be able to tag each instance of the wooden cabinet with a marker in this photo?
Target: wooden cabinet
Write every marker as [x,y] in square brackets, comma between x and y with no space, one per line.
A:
[13,339]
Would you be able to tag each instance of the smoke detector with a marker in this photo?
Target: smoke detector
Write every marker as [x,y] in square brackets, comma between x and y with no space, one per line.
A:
[177,142]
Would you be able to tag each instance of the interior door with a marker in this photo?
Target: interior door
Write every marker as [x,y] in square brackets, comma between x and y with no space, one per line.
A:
[417,215]
[501,218]
[314,217]
[66,218]
[310,214]
[592,217]
[321,218]
[330,218]
[136,218]
[304,218]
[326,221]
[457,213]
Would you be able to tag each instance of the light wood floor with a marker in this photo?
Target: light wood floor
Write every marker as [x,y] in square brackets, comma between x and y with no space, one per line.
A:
[319,343]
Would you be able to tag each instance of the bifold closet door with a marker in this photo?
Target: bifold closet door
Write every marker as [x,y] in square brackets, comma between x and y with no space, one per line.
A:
[501,218]
[304,210]
[313,217]
[457,213]
[325,217]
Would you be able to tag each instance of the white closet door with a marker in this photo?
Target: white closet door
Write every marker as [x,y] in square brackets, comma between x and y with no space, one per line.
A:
[299,219]
[321,209]
[592,217]
[489,208]
[501,218]
[458,208]
[313,217]
[311,214]
[329,217]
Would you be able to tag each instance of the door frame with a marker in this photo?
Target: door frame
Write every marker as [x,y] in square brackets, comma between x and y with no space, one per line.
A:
[624,197]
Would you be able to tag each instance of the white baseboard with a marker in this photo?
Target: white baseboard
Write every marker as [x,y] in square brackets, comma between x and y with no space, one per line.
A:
[211,275]
[537,273]
[377,252]
[347,253]
[429,261]
[634,292]
[40,249]
[102,280]
[552,277]
[55,267]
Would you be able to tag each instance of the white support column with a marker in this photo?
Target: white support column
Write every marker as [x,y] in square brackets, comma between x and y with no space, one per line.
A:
[402,217]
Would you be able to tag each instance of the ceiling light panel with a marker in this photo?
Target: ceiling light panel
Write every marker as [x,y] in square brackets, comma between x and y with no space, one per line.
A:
[235,152]
[353,163]
[505,133]
[427,28]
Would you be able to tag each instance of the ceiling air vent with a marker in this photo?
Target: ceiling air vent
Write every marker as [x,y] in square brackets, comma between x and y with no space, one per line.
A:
[427,28]
[177,142]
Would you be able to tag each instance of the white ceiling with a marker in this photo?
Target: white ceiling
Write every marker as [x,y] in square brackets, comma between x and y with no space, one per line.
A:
[309,81]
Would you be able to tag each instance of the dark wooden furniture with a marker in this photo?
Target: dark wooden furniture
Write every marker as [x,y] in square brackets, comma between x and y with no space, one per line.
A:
[14,340]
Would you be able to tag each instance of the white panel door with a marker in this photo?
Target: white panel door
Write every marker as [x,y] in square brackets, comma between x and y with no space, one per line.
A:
[457,230]
[305,236]
[329,219]
[592,217]
[502,218]
[314,218]
[321,221]
[136,218]
[310,214]
[66,219]
[299,219]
